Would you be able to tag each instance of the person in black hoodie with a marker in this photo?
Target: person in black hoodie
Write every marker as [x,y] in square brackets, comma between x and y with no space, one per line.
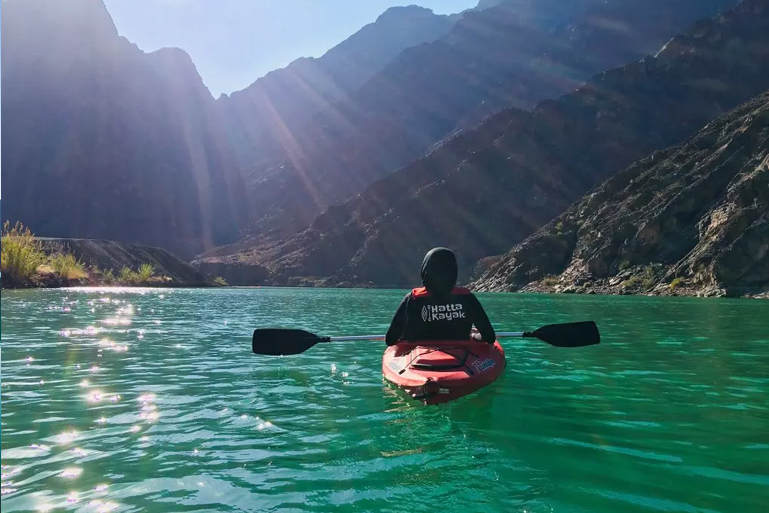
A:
[439,310]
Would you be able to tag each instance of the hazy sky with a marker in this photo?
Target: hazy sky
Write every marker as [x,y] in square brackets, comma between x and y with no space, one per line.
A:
[234,42]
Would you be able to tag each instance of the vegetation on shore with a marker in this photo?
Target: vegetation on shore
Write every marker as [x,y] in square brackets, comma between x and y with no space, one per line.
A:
[21,256]
[26,265]
[220,281]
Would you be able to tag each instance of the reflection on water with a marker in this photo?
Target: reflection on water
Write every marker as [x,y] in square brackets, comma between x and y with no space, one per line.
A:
[150,400]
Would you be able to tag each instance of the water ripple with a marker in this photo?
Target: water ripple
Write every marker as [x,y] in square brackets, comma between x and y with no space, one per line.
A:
[150,400]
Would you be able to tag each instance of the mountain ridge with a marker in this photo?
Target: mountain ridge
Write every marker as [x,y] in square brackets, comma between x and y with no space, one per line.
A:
[104,140]
[289,97]
[542,161]
[432,90]
[692,219]
[107,141]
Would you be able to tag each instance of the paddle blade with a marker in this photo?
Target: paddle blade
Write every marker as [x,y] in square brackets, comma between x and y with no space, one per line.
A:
[575,334]
[282,342]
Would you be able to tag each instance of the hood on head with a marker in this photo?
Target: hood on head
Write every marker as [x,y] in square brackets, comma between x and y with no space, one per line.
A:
[439,271]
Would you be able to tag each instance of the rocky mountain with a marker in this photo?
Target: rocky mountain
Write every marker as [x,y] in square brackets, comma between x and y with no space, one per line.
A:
[102,140]
[513,54]
[108,141]
[690,219]
[485,190]
[262,118]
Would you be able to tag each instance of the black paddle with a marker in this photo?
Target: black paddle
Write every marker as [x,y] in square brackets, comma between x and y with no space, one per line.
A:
[573,334]
[286,342]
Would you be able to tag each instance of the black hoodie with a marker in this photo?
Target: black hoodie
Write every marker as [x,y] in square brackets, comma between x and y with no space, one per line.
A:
[439,311]
[439,271]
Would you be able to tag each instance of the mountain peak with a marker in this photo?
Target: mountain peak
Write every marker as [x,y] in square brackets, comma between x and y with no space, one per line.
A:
[54,17]
[173,55]
[397,12]
[177,66]
[487,4]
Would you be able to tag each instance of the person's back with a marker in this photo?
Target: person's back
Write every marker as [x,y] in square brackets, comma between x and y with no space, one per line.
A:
[439,310]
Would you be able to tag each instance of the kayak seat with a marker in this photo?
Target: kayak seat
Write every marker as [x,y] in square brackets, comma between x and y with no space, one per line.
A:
[439,360]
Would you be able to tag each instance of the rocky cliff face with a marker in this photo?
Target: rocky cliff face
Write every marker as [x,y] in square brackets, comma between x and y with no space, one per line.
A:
[690,219]
[262,120]
[513,54]
[488,189]
[101,140]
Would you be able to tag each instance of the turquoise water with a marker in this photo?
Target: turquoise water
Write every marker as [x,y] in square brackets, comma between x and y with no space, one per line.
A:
[126,400]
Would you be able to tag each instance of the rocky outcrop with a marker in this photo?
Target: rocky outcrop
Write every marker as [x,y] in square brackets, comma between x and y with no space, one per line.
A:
[692,219]
[106,255]
[101,140]
[263,118]
[514,54]
[488,189]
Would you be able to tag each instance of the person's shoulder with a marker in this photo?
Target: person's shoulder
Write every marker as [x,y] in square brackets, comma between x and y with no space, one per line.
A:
[462,291]
[468,296]
[418,292]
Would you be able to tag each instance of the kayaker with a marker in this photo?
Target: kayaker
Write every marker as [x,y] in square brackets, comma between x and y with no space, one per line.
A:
[439,310]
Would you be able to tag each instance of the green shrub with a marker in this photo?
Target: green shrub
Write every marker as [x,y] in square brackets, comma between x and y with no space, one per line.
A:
[145,274]
[146,271]
[218,280]
[645,281]
[67,267]
[108,277]
[624,265]
[550,281]
[127,276]
[648,279]
[21,255]
[633,281]
[675,283]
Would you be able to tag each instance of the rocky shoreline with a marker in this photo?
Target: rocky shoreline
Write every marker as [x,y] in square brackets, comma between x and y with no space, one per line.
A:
[623,286]
[235,272]
[46,279]
[629,283]
[110,263]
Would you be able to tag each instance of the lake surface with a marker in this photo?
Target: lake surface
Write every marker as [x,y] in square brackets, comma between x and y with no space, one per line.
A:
[151,400]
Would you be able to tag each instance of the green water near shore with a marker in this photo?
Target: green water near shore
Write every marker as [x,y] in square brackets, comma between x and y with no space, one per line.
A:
[150,400]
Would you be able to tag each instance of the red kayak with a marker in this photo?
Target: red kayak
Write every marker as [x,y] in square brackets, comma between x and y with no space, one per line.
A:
[440,371]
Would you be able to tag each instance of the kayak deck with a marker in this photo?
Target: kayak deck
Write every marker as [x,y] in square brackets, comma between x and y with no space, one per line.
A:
[440,371]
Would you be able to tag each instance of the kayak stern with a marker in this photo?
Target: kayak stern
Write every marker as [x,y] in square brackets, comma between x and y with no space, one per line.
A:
[440,371]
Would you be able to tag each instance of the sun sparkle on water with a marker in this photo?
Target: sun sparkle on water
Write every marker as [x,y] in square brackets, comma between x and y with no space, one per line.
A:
[332,419]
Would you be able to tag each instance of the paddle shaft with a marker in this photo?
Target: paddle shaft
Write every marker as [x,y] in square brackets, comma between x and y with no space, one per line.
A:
[506,334]
[286,341]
